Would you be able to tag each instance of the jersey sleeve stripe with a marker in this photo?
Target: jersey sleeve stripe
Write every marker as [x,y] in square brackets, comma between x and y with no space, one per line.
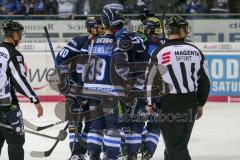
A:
[73,49]
[22,82]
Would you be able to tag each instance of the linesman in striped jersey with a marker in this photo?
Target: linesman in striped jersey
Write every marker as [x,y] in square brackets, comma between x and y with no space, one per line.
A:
[12,76]
[183,69]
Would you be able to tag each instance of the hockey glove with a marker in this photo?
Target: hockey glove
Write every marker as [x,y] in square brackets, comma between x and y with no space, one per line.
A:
[69,87]
[15,119]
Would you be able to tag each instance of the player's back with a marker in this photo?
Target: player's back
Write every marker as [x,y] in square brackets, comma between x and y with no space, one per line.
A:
[98,75]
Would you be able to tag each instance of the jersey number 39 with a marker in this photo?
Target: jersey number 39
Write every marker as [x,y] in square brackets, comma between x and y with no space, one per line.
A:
[97,69]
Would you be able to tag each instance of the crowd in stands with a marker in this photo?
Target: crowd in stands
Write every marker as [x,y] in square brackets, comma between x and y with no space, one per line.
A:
[70,8]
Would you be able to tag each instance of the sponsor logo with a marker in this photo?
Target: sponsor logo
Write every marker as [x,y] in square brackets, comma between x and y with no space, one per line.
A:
[104,40]
[166,57]
[40,76]
[26,47]
[225,46]
[187,53]
[225,74]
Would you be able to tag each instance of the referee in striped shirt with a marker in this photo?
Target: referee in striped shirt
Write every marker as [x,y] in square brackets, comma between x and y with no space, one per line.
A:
[182,68]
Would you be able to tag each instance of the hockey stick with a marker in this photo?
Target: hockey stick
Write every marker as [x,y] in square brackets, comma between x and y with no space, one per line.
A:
[61,136]
[46,153]
[81,143]
[50,45]
[39,128]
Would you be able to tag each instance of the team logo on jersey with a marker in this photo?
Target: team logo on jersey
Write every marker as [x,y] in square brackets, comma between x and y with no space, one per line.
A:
[166,57]
[19,58]
[3,55]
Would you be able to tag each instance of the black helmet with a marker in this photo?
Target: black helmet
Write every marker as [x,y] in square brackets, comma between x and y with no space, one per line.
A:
[154,24]
[174,23]
[146,15]
[93,22]
[8,27]
[112,20]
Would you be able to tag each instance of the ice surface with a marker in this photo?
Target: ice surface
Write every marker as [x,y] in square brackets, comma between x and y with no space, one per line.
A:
[215,137]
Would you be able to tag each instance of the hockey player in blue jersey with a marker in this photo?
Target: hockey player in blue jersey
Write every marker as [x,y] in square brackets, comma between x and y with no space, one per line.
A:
[73,102]
[154,39]
[100,77]
[147,136]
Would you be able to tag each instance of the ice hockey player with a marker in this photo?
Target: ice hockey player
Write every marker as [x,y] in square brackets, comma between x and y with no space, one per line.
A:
[148,136]
[74,102]
[12,76]
[107,129]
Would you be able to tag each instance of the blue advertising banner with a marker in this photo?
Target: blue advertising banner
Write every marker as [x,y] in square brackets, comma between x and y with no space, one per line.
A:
[224,72]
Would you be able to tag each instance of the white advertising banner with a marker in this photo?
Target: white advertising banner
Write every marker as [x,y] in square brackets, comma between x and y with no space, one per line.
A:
[202,30]
[223,63]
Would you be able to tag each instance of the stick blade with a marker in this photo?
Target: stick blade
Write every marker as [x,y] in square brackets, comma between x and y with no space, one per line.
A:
[29,125]
[62,135]
[39,154]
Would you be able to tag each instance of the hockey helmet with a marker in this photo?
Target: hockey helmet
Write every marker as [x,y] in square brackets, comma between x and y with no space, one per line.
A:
[174,23]
[8,27]
[93,22]
[154,25]
[112,20]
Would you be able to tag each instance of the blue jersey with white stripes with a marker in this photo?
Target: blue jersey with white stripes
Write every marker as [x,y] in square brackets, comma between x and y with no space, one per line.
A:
[99,75]
[151,46]
[70,50]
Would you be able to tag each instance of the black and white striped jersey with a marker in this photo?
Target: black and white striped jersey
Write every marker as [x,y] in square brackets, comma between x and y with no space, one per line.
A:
[11,73]
[182,67]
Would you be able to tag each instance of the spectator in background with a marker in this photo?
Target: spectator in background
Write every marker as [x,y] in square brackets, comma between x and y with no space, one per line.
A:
[67,9]
[79,7]
[140,6]
[51,6]
[129,6]
[23,7]
[31,7]
[194,6]
[1,6]
[220,6]
[86,7]
[39,7]
[10,7]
